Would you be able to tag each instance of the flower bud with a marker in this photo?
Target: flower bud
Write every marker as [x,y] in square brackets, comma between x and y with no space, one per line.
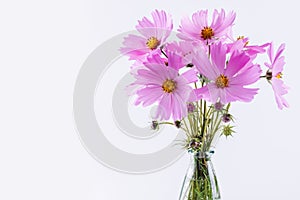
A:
[218,106]
[154,125]
[177,123]
[191,107]
[226,118]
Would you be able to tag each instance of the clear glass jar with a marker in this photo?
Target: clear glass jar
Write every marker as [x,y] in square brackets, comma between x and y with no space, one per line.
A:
[200,182]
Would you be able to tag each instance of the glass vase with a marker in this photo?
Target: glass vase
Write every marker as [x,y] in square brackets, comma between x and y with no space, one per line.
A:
[200,182]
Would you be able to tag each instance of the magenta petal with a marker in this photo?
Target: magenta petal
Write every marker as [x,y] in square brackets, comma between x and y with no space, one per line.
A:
[218,56]
[247,77]
[236,63]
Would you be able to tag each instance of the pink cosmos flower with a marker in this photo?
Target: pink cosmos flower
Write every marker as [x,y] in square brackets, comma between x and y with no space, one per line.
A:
[227,79]
[198,28]
[153,35]
[162,84]
[274,75]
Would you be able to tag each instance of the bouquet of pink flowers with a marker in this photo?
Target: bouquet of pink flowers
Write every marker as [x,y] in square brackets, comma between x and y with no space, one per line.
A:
[194,80]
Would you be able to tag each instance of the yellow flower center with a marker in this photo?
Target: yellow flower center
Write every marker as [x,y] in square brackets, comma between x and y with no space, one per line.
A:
[152,43]
[279,75]
[169,86]
[222,81]
[207,33]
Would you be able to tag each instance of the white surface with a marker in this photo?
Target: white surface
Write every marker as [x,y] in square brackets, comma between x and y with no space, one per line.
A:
[42,46]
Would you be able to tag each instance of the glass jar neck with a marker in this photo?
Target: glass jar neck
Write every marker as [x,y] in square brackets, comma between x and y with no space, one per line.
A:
[202,154]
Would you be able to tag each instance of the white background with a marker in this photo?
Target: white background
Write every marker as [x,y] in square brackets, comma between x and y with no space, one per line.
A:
[42,47]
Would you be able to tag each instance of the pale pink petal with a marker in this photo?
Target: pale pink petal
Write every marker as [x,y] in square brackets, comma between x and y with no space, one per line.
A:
[270,52]
[188,31]
[279,52]
[214,92]
[204,66]
[221,23]
[247,77]
[163,23]
[200,19]
[237,93]
[278,66]
[201,93]
[155,59]
[146,28]
[279,86]
[190,76]
[149,95]
[279,90]
[165,107]
[146,76]
[218,56]
[179,108]
[175,61]
[134,46]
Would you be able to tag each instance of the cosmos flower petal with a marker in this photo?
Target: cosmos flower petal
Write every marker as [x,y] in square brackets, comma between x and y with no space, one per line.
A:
[148,76]
[278,66]
[134,46]
[241,94]
[190,76]
[149,95]
[279,90]
[188,30]
[223,23]
[201,93]
[200,19]
[204,66]
[236,63]
[218,55]
[191,30]
[175,61]
[165,107]
[248,76]
[179,107]
[279,86]
[164,24]
[214,93]
[279,52]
